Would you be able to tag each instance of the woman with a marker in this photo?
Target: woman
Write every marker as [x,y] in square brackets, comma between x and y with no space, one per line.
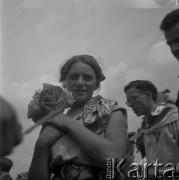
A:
[95,127]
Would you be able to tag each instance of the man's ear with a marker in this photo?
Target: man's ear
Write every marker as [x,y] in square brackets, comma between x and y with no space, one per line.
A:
[149,94]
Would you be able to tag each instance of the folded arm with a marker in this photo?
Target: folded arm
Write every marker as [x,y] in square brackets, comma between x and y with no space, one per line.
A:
[112,145]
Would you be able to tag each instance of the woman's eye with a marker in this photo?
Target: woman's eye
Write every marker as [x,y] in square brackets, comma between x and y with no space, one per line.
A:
[87,78]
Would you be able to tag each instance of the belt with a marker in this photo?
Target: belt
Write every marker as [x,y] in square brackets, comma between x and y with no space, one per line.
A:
[75,171]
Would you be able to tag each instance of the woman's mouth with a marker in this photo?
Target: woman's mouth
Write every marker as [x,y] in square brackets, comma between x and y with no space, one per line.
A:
[80,91]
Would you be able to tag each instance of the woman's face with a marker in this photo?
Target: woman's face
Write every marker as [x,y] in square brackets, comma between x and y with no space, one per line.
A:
[81,81]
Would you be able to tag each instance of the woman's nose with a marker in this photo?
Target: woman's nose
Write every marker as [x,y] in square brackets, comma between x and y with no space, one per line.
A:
[80,81]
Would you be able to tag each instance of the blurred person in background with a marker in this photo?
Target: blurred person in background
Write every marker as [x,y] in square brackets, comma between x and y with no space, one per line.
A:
[10,129]
[5,167]
[170,27]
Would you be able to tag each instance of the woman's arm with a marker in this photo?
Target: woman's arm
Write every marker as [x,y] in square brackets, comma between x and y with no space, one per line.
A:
[113,145]
[39,168]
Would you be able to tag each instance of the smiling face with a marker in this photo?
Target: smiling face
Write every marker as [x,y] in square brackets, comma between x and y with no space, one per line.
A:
[81,81]
[172,38]
[139,101]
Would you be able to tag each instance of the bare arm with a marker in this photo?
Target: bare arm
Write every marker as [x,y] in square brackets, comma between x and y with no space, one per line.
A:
[114,144]
[39,168]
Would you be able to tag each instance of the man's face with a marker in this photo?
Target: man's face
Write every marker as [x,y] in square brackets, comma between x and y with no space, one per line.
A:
[138,101]
[172,38]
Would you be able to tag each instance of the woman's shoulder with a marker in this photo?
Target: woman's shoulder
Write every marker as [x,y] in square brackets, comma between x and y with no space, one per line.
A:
[113,106]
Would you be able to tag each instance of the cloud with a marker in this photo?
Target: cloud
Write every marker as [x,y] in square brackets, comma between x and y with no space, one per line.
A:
[116,71]
[120,75]
[112,87]
[136,73]
[20,94]
[85,0]
[113,74]
[34,3]
[168,3]
[141,3]
[160,53]
[25,90]
[121,3]
[104,3]
[46,25]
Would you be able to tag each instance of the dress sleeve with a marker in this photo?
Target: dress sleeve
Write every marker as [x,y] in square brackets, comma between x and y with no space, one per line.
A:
[101,115]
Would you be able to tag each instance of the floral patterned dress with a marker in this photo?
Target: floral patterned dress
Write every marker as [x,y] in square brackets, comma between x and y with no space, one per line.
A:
[95,116]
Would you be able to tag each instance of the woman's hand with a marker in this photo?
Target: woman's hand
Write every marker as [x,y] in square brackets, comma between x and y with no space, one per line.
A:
[61,122]
[39,168]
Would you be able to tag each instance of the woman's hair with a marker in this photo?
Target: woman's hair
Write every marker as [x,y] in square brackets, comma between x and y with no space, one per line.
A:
[86,59]
[143,86]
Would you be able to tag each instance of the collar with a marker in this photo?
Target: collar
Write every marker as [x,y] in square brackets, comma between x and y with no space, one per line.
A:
[157,110]
[4,174]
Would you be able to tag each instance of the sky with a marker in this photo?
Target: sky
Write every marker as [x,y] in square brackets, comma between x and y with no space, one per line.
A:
[37,36]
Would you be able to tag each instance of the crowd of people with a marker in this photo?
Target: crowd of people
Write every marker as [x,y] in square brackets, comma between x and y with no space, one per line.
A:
[95,128]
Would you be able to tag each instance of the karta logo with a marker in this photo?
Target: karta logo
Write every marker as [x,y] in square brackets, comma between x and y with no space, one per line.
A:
[116,169]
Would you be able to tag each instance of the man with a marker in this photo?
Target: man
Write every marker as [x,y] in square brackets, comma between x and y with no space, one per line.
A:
[10,129]
[170,27]
[161,124]
[5,167]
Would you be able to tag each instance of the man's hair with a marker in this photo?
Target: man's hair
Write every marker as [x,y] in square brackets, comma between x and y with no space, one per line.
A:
[143,86]
[170,20]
